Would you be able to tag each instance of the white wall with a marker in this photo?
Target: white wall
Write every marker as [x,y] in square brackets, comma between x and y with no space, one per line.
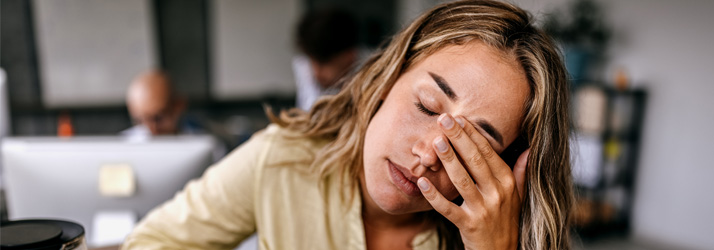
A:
[666,46]
[252,48]
[89,51]
[667,49]
[408,10]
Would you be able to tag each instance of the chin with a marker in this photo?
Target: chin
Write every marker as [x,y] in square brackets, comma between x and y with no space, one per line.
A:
[396,204]
[392,208]
[397,210]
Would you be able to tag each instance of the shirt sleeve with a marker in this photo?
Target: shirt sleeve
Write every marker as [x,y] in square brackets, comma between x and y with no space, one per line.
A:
[307,88]
[216,211]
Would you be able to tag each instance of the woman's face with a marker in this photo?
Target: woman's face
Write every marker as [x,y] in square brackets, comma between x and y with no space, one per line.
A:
[486,86]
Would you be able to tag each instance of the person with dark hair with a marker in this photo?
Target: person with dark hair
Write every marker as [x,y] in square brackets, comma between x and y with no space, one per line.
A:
[327,40]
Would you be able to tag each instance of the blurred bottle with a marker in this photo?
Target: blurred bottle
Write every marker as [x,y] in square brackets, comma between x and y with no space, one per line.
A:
[64,125]
[622,81]
[622,105]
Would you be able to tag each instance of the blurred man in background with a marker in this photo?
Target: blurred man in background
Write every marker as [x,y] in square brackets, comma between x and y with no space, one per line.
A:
[155,107]
[328,42]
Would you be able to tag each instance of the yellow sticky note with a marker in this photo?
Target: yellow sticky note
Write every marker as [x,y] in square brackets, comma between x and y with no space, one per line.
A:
[116,180]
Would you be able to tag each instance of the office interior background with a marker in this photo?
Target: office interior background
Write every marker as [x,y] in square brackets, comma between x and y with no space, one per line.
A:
[76,58]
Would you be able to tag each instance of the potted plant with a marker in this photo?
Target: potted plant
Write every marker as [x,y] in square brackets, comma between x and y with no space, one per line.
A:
[582,33]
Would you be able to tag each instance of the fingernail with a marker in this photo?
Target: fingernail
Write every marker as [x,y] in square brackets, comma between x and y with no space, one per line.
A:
[440,145]
[446,121]
[460,121]
[422,184]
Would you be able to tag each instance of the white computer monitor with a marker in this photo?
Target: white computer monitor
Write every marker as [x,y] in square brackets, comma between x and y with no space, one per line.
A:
[50,177]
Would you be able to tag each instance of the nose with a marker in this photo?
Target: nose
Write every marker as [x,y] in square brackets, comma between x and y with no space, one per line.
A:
[425,152]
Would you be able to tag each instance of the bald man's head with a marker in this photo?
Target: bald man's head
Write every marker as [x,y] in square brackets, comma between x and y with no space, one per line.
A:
[152,102]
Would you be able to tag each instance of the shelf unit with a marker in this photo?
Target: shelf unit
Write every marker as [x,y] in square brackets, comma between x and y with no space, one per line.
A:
[612,130]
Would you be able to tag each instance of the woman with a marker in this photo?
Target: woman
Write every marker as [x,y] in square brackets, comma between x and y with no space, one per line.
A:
[410,155]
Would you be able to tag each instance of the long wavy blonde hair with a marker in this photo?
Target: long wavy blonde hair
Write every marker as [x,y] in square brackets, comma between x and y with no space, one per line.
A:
[343,118]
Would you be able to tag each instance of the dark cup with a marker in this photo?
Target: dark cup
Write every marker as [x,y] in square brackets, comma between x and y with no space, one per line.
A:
[42,234]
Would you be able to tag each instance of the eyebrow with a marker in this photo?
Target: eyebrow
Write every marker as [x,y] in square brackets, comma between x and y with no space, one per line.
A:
[444,86]
[485,125]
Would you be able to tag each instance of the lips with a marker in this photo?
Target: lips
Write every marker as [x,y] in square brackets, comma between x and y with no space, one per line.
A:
[404,183]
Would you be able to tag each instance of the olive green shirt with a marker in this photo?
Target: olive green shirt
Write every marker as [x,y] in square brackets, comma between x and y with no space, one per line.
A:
[264,186]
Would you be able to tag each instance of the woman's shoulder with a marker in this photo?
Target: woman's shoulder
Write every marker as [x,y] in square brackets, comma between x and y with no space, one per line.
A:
[283,146]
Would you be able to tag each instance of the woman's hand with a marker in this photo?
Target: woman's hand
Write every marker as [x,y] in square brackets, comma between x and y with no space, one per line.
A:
[492,193]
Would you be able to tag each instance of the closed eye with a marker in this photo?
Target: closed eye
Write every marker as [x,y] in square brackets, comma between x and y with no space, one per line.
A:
[425,110]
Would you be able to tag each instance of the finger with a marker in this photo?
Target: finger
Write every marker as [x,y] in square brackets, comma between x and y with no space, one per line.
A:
[499,169]
[458,175]
[445,207]
[519,171]
[475,162]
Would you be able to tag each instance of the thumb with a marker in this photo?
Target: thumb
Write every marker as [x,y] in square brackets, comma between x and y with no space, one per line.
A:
[519,172]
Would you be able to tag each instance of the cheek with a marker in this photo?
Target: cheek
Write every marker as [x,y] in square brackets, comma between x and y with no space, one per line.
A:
[390,126]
